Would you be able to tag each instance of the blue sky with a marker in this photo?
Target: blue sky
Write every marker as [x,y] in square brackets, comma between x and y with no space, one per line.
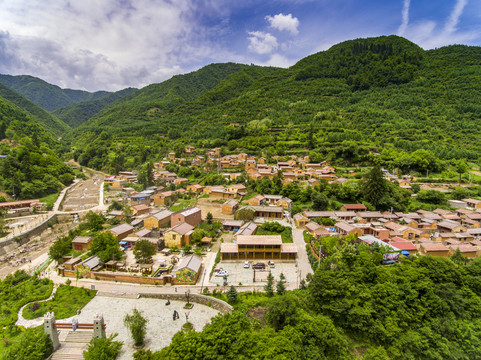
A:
[113,44]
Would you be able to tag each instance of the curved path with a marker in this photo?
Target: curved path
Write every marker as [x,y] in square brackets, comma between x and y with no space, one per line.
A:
[21,321]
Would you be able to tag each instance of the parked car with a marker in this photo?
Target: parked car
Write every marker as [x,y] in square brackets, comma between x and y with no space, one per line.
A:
[222,273]
[246,265]
[259,266]
[271,263]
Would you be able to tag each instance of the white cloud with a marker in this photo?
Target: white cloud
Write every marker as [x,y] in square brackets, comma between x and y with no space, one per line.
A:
[429,34]
[405,17]
[93,45]
[283,22]
[278,60]
[453,19]
[262,42]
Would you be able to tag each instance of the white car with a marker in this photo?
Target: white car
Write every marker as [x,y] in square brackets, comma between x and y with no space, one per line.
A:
[221,273]
[246,265]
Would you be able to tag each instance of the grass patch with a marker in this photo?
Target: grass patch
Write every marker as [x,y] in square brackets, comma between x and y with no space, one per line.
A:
[182,204]
[15,291]
[274,228]
[49,200]
[65,303]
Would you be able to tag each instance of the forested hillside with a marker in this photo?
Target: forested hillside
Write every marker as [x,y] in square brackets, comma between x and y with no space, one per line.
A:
[363,96]
[75,115]
[45,95]
[52,124]
[141,110]
[354,308]
[30,166]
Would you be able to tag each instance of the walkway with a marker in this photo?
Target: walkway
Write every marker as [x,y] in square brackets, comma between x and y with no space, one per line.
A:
[302,259]
[21,321]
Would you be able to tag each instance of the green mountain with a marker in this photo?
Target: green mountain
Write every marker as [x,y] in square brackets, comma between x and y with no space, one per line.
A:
[75,115]
[45,95]
[377,95]
[54,126]
[30,166]
[140,111]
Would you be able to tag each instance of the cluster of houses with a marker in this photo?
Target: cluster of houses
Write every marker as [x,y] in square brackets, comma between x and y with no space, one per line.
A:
[295,169]
[438,233]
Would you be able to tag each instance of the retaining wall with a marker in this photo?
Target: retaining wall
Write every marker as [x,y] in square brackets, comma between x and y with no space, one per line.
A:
[212,302]
[13,242]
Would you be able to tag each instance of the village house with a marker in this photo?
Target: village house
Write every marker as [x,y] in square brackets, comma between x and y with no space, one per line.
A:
[353,207]
[196,188]
[473,203]
[118,214]
[178,236]
[141,209]
[122,231]
[237,189]
[434,249]
[268,212]
[190,216]
[284,202]
[249,228]
[300,220]
[347,229]
[164,198]
[257,200]
[188,270]
[158,219]
[232,225]
[451,226]
[230,206]
[82,242]
[258,247]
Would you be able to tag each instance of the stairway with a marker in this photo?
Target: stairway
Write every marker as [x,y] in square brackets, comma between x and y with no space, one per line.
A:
[73,345]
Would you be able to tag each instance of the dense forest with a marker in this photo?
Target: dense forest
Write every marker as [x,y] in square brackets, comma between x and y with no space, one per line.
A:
[30,166]
[421,308]
[379,95]
[45,95]
[378,100]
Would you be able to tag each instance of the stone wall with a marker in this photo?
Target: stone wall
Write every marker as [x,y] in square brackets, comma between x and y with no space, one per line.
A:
[212,302]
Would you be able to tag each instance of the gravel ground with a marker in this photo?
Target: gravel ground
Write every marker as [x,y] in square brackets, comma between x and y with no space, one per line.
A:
[160,328]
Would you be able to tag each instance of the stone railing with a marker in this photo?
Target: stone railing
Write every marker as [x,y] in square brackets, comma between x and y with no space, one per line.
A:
[212,302]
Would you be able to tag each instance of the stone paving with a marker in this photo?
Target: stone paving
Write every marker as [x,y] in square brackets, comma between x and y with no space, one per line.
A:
[160,328]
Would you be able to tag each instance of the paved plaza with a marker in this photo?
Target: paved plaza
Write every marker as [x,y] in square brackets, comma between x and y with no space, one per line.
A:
[160,328]
[237,273]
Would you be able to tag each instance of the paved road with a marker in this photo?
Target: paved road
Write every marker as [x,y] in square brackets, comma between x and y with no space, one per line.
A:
[302,260]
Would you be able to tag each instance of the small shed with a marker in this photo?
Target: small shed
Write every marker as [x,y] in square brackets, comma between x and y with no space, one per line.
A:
[188,270]
[81,242]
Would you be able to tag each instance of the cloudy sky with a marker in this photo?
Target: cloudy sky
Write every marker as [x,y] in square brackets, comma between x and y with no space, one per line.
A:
[113,44]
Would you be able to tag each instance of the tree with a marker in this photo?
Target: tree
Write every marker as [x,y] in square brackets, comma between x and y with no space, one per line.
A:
[103,348]
[106,247]
[245,214]
[319,201]
[375,187]
[95,221]
[269,288]
[282,311]
[281,285]
[232,295]
[461,168]
[115,205]
[60,248]
[146,174]
[32,344]
[137,326]
[209,218]
[143,251]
